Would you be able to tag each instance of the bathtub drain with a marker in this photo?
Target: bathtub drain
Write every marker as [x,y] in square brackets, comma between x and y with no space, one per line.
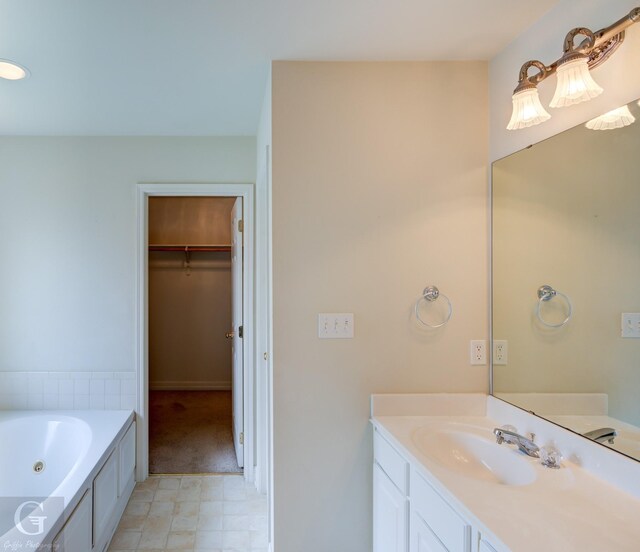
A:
[38,466]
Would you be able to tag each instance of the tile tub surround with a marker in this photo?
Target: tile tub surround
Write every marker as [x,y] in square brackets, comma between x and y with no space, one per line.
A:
[67,390]
[213,513]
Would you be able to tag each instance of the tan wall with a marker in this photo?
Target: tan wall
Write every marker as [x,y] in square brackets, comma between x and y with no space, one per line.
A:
[379,188]
[189,309]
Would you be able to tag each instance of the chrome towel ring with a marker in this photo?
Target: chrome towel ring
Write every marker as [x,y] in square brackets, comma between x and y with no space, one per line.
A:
[429,295]
[546,293]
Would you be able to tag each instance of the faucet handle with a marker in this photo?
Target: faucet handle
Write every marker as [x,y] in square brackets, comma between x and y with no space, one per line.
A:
[550,457]
[509,427]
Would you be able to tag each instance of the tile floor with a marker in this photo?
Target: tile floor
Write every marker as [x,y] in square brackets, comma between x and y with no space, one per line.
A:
[210,513]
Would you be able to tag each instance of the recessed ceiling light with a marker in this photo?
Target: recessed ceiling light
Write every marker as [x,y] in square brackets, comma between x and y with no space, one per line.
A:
[12,71]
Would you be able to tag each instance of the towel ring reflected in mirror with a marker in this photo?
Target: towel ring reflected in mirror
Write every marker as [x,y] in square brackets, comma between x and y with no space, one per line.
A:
[546,293]
[430,294]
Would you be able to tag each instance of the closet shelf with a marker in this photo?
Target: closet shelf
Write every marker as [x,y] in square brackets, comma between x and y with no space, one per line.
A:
[189,248]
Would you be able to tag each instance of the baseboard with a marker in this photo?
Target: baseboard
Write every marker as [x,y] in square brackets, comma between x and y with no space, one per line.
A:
[190,385]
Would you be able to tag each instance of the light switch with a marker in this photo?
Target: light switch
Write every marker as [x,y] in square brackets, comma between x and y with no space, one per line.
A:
[630,324]
[335,325]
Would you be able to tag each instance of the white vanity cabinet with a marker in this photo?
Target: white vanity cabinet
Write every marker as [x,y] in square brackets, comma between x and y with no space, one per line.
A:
[486,547]
[390,514]
[449,527]
[390,502]
[422,538]
[409,515]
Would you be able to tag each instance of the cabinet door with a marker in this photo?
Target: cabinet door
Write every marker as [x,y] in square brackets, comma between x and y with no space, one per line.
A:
[452,530]
[422,537]
[486,547]
[76,534]
[390,515]
[105,496]
[127,450]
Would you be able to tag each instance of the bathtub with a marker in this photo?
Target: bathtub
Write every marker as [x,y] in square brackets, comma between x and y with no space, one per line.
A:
[49,461]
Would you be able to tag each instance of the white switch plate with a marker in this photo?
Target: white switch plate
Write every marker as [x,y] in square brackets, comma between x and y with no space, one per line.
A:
[335,325]
[500,352]
[630,324]
[477,352]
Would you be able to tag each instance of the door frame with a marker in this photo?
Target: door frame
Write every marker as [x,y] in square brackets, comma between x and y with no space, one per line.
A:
[193,189]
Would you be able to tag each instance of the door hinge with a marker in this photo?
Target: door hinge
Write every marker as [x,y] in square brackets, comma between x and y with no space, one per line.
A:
[241,225]
[241,332]
[242,438]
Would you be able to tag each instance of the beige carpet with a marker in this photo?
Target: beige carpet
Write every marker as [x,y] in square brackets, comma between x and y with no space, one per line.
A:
[190,432]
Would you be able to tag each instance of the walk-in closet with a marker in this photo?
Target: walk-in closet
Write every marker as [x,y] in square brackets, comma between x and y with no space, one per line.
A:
[191,342]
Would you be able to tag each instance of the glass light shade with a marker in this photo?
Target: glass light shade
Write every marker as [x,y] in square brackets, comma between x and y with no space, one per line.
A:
[527,110]
[11,71]
[616,118]
[575,83]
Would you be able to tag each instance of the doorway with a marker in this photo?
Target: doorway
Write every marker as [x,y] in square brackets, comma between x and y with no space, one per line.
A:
[195,357]
[195,410]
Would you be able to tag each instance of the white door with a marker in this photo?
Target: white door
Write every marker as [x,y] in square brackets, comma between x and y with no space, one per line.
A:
[390,514]
[236,330]
[422,538]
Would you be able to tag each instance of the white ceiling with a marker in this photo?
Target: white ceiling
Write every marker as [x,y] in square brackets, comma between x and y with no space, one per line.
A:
[199,67]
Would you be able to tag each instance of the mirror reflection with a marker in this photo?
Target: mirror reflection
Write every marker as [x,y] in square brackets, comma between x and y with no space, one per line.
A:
[566,279]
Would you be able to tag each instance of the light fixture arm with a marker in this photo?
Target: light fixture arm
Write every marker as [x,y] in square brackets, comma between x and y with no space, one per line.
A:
[598,46]
[531,81]
[585,46]
[619,26]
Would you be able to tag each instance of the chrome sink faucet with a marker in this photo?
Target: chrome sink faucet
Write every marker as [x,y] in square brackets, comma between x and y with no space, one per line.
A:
[602,435]
[550,456]
[524,444]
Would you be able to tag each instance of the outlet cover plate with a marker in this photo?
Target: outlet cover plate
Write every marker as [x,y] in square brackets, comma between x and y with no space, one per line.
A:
[631,324]
[335,325]
[478,352]
[500,352]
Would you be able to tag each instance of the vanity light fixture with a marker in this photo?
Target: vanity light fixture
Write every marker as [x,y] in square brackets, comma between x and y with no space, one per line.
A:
[575,83]
[12,71]
[616,118]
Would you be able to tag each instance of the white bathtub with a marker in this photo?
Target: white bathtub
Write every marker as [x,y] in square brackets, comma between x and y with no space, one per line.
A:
[70,447]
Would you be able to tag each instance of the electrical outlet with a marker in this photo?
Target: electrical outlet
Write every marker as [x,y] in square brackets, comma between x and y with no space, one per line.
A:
[500,351]
[478,352]
[630,324]
[335,325]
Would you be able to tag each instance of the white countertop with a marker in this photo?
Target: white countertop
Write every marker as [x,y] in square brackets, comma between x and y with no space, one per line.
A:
[565,510]
[628,438]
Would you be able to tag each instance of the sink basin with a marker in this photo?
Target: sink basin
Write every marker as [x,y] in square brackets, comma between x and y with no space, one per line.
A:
[465,452]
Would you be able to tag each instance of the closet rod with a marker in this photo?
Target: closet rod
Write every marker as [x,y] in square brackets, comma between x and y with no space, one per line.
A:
[190,248]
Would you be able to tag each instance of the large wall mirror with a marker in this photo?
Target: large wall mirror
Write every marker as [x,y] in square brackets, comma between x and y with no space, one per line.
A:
[566,281]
